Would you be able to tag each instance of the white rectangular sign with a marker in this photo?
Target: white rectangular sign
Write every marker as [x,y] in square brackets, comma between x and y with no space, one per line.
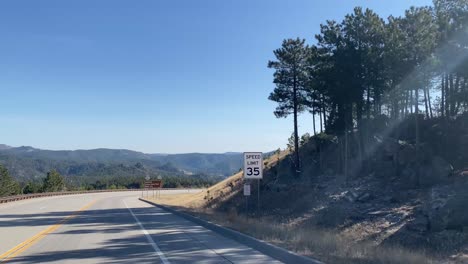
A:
[253,165]
[246,189]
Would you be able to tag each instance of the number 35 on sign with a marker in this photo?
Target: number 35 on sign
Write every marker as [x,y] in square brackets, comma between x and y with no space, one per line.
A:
[253,165]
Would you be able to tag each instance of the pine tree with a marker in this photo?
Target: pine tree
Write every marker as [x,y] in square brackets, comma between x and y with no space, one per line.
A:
[8,186]
[290,78]
[54,182]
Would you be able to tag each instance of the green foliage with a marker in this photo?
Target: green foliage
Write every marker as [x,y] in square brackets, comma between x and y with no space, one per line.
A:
[290,144]
[137,181]
[25,163]
[8,186]
[290,77]
[323,138]
[304,139]
[364,67]
[32,187]
[54,182]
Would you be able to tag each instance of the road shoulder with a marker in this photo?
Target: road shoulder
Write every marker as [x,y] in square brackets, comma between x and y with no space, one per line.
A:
[273,251]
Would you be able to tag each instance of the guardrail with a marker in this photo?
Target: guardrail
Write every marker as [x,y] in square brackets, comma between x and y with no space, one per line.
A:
[8,199]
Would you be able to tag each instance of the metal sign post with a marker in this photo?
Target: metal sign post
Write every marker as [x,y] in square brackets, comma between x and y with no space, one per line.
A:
[258,195]
[253,169]
[147,178]
[247,189]
[246,194]
[160,186]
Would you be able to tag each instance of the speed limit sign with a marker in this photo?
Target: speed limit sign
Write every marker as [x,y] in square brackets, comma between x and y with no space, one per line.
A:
[253,165]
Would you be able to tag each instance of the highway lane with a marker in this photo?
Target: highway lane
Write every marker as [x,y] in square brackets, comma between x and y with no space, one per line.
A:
[110,228]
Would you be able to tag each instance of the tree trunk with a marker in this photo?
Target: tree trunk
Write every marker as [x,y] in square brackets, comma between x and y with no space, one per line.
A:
[442,97]
[416,110]
[416,101]
[360,142]
[411,101]
[465,94]
[321,126]
[394,103]
[401,108]
[296,133]
[426,106]
[429,101]
[452,96]
[349,116]
[324,114]
[455,99]
[377,105]
[359,109]
[346,156]
[313,121]
[406,103]
[340,154]
[313,115]
[368,103]
[447,96]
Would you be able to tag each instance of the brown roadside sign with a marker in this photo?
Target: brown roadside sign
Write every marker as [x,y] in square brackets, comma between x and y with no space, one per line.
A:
[157,184]
[153,184]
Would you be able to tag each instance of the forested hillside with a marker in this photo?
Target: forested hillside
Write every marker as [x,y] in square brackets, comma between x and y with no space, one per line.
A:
[26,168]
[214,164]
[28,163]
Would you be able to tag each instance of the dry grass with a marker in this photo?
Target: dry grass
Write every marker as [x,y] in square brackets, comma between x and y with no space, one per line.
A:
[223,188]
[179,199]
[329,246]
[325,245]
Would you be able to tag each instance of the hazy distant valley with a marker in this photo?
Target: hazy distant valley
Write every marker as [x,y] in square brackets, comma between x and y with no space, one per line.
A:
[26,163]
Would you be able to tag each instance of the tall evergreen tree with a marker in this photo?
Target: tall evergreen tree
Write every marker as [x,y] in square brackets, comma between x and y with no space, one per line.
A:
[290,78]
[8,186]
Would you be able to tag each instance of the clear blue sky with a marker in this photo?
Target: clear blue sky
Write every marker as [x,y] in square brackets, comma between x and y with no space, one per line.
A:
[151,75]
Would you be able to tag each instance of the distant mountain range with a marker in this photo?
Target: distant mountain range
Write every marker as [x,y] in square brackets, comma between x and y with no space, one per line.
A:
[27,162]
[3,146]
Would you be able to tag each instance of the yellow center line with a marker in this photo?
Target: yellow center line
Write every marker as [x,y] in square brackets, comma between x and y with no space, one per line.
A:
[34,239]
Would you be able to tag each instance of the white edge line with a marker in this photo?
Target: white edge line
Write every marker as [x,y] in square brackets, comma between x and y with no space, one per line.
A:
[148,237]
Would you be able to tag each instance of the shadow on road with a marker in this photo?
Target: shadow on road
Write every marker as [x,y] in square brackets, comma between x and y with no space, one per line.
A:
[113,236]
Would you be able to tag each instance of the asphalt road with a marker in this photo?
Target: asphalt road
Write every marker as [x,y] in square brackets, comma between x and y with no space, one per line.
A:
[109,228]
